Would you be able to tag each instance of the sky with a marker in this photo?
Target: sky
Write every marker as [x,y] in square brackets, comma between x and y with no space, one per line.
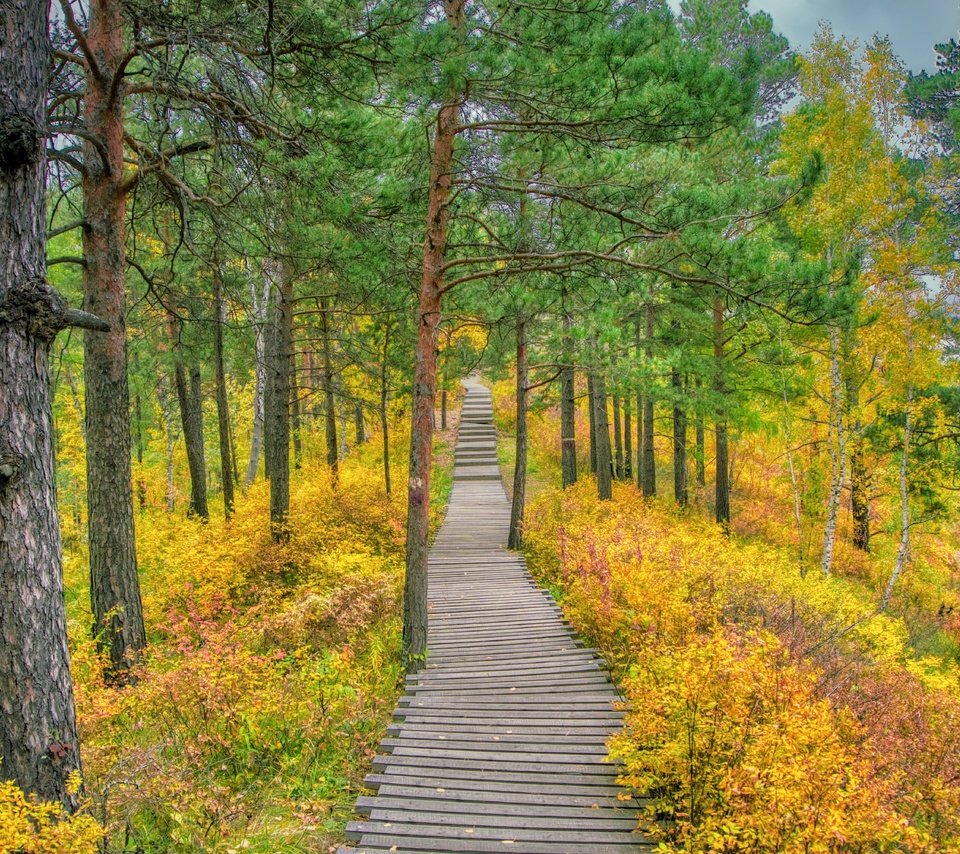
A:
[914,26]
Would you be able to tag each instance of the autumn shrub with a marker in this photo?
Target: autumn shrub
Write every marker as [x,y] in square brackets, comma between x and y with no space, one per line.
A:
[31,826]
[768,711]
[270,673]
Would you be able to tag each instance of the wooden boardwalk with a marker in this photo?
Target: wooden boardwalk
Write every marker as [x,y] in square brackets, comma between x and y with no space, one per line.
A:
[498,743]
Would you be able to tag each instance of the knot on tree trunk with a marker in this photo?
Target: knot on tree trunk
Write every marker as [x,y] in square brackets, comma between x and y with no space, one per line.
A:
[39,308]
[20,138]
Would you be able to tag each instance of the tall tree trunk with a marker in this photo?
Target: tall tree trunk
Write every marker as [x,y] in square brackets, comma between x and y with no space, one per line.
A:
[191,419]
[568,431]
[592,410]
[295,410]
[260,306]
[679,442]
[722,465]
[859,475]
[443,410]
[330,411]
[903,549]
[166,410]
[425,370]
[788,439]
[38,734]
[836,444]
[515,538]
[384,414]
[114,585]
[701,443]
[649,468]
[138,432]
[617,439]
[223,408]
[361,435]
[637,353]
[604,460]
[627,438]
[342,419]
[279,346]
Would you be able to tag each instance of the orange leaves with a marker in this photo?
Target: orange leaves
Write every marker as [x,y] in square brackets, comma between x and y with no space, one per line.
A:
[768,712]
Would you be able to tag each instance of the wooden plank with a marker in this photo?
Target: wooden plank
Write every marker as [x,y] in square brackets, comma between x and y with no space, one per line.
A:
[499,742]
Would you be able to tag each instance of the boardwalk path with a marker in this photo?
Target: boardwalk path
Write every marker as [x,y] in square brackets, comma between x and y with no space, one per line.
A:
[498,743]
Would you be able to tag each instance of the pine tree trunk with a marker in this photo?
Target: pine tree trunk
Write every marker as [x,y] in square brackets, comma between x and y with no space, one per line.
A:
[384,414]
[515,538]
[617,439]
[260,307]
[342,419]
[637,351]
[649,469]
[279,346]
[627,439]
[114,584]
[443,410]
[568,431]
[38,735]
[295,410]
[722,464]
[604,460]
[701,447]
[425,369]
[679,442]
[166,409]
[330,411]
[223,408]
[592,410]
[191,420]
[138,432]
[361,435]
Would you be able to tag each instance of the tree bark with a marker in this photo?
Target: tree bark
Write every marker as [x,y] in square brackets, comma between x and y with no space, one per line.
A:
[191,419]
[627,439]
[223,408]
[330,410]
[836,444]
[260,308]
[722,493]
[568,431]
[592,410]
[38,735]
[604,460]
[384,414]
[859,475]
[617,439]
[649,468]
[114,584]
[279,346]
[295,410]
[443,410]
[701,445]
[425,370]
[361,435]
[166,410]
[679,442]
[515,538]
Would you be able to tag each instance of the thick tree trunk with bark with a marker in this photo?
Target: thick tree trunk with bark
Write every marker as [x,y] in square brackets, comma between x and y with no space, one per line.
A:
[329,401]
[592,412]
[384,413]
[277,408]
[114,585]
[191,419]
[295,413]
[425,369]
[515,537]
[604,457]
[568,431]
[627,439]
[679,442]
[722,465]
[617,439]
[649,468]
[259,303]
[223,408]
[38,735]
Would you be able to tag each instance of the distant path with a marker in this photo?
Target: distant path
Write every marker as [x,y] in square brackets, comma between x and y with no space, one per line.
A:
[499,740]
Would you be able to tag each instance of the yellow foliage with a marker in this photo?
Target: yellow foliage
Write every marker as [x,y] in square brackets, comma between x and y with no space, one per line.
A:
[28,826]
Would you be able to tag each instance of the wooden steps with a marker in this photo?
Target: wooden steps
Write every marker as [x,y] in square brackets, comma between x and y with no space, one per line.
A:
[498,743]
